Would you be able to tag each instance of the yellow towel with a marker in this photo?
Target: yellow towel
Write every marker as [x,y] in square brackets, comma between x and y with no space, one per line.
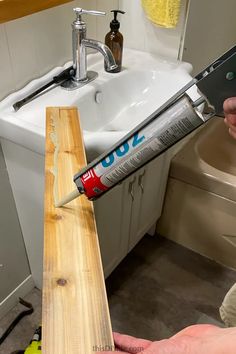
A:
[162,12]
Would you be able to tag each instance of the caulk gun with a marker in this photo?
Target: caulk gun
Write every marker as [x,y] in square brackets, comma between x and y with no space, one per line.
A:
[178,117]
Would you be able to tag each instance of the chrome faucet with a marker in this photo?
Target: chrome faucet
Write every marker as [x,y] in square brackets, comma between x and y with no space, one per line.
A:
[79,45]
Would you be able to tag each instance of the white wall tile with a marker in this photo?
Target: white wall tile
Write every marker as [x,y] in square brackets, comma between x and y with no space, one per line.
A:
[52,36]
[140,33]
[20,37]
[34,44]
[165,41]
[6,82]
[132,24]
[90,20]
[103,22]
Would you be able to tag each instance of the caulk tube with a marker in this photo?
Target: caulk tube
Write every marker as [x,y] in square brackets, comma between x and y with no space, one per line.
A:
[143,145]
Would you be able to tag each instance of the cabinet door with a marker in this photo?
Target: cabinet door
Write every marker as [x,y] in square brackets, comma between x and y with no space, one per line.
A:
[148,198]
[26,174]
[112,226]
[14,267]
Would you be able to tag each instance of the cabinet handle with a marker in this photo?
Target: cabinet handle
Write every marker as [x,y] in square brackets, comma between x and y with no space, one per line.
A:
[131,188]
[140,181]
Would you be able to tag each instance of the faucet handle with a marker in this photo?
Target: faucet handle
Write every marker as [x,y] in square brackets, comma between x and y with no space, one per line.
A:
[79,11]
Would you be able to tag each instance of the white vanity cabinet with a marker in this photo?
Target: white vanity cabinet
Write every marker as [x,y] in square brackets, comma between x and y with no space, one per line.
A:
[126,213]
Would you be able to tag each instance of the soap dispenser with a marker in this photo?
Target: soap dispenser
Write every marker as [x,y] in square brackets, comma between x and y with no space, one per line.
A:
[114,40]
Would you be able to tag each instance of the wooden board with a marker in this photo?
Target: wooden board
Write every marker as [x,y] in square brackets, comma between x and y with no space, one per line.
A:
[13,9]
[75,310]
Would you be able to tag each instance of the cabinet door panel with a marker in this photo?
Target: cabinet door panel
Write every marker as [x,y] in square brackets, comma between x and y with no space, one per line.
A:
[149,191]
[14,267]
[110,224]
[150,208]
[136,209]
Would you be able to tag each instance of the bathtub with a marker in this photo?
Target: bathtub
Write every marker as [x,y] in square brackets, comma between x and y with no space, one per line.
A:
[200,204]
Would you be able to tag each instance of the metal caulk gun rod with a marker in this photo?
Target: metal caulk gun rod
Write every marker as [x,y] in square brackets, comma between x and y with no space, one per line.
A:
[57,80]
[32,96]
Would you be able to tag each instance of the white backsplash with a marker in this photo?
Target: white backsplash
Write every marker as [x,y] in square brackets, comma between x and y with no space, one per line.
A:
[32,45]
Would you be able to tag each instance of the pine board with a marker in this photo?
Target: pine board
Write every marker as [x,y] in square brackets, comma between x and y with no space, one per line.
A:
[75,309]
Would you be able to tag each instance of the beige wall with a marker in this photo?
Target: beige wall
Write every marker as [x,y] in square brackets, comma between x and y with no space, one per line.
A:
[34,44]
[210,31]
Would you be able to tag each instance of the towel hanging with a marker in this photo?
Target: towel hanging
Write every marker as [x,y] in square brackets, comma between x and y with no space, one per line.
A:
[163,13]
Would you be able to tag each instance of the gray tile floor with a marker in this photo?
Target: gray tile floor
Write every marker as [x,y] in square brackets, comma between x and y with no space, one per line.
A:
[158,289]
[162,287]
[23,332]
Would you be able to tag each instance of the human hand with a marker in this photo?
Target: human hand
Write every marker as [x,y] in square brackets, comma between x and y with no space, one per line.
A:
[230,115]
[204,339]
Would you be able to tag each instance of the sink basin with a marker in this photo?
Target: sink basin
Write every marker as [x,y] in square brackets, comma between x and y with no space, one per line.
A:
[109,107]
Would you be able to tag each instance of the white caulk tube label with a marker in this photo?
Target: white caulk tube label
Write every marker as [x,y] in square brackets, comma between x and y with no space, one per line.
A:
[148,142]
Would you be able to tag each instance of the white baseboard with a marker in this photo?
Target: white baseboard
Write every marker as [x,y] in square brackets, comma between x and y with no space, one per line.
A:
[13,298]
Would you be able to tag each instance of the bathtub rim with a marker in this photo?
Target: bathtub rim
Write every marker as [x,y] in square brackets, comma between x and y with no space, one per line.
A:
[190,168]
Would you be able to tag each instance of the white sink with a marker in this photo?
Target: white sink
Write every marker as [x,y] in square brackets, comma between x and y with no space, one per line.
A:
[109,107]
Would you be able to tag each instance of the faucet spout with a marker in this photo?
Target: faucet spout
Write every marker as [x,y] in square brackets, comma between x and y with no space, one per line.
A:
[104,50]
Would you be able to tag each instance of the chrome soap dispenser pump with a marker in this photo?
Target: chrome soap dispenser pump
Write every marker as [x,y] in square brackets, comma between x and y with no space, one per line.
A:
[114,41]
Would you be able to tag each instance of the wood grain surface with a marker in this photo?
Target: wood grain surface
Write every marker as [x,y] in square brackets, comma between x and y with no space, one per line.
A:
[13,9]
[75,309]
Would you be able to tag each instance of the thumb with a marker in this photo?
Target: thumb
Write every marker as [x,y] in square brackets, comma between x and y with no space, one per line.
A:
[130,344]
[230,105]
[197,330]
